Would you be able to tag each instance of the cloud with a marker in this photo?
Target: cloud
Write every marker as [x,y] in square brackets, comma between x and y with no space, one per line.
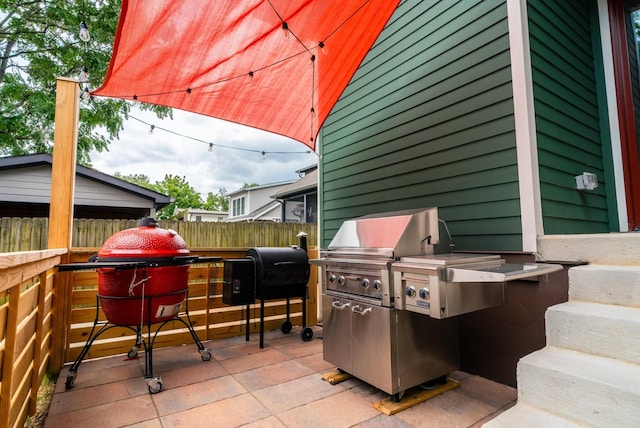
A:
[162,152]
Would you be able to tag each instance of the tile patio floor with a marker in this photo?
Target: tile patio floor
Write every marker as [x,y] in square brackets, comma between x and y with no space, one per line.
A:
[242,385]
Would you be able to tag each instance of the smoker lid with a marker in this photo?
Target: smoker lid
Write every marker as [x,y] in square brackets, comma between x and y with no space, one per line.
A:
[396,234]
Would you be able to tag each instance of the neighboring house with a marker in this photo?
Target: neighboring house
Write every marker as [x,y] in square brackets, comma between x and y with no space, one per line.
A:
[256,204]
[25,191]
[196,214]
[493,111]
[303,194]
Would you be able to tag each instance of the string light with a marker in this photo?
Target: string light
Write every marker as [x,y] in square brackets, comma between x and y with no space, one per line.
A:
[264,155]
[84,74]
[210,145]
[85,96]
[323,48]
[285,29]
[84,32]
[151,129]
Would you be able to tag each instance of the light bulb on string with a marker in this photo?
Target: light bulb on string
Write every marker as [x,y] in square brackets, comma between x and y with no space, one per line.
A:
[264,155]
[84,74]
[85,96]
[84,32]
[323,48]
[210,147]
[313,60]
[252,79]
[151,128]
[313,113]
[285,29]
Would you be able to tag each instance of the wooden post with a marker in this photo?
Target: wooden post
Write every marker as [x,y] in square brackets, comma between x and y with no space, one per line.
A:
[63,174]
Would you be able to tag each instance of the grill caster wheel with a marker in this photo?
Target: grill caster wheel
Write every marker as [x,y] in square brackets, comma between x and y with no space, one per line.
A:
[71,377]
[398,396]
[205,354]
[133,353]
[155,384]
[286,327]
[306,334]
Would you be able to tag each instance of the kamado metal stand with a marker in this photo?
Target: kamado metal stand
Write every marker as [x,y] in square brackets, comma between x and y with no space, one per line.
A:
[154,382]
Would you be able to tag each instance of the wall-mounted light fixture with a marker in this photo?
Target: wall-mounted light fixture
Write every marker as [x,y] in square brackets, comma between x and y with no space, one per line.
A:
[586,181]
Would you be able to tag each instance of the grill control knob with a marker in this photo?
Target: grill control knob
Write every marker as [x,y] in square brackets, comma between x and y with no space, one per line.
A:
[365,283]
[410,292]
[341,280]
[332,278]
[377,284]
[423,293]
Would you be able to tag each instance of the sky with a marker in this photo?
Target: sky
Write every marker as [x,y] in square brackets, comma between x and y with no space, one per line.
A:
[162,152]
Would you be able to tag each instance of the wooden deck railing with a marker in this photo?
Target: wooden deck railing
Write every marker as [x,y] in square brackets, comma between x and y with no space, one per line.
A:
[28,321]
[26,329]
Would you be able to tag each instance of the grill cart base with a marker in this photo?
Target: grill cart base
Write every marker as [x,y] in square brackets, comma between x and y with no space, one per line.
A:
[99,326]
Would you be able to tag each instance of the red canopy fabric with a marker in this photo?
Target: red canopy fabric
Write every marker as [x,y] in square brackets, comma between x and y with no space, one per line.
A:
[260,63]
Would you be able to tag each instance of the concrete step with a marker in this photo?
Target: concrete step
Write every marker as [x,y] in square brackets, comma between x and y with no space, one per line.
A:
[604,249]
[609,284]
[590,390]
[604,330]
[525,416]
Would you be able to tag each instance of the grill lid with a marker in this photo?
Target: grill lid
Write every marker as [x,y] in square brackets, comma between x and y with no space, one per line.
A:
[391,234]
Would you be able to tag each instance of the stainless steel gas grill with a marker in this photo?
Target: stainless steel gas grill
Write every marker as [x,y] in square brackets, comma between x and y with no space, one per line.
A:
[390,294]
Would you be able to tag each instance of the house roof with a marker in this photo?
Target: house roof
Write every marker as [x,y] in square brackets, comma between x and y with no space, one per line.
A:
[263,186]
[306,184]
[25,161]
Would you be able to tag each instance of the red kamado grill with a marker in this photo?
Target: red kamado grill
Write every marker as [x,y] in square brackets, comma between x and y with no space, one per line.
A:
[142,280]
[123,291]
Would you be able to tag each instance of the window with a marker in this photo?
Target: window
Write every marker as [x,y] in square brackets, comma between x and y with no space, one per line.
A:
[238,206]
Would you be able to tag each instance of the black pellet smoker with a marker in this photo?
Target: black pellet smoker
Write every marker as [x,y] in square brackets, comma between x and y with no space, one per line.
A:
[269,273]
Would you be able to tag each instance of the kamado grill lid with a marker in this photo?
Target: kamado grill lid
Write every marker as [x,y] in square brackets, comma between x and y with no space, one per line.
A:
[145,242]
[391,234]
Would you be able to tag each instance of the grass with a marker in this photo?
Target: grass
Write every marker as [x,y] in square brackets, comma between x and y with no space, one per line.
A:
[45,393]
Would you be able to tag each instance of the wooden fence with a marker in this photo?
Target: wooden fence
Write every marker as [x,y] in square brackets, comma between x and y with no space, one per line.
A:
[27,315]
[28,234]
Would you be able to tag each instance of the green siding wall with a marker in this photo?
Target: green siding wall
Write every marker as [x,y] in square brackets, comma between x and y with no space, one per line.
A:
[428,121]
[567,116]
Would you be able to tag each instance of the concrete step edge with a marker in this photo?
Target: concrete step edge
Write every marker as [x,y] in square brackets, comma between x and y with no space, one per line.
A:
[590,389]
[523,415]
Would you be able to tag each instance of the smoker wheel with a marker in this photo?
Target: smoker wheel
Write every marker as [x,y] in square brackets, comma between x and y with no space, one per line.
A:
[205,354]
[306,334]
[71,377]
[155,384]
[286,327]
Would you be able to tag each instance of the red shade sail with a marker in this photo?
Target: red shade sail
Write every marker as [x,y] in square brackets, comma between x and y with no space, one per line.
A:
[277,65]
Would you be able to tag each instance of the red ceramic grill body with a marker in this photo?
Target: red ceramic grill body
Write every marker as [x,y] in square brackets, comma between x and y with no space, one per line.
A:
[136,296]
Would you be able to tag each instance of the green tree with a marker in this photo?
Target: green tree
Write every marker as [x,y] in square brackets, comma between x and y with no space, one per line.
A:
[138,179]
[217,202]
[39,41]
[181,193]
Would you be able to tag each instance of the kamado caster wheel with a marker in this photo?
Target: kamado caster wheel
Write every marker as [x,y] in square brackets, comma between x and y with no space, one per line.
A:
[306,334]
[286,327]
[205,354]
[133,353]
[155,384]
